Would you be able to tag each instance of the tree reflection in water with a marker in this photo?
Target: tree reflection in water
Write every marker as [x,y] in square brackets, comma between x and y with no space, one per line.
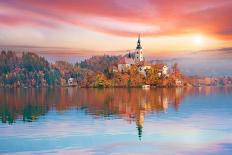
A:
[129,104]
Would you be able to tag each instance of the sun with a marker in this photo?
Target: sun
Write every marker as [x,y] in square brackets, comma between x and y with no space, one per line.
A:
[198,40]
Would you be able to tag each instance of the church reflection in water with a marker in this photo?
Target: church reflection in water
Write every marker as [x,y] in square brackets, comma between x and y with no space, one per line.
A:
[129,104]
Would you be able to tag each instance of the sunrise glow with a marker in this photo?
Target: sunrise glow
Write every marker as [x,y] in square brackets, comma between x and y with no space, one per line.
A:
[198,40]
[88,27]
[116,77]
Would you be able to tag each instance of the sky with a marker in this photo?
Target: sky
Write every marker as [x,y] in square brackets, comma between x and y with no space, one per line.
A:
[169,29]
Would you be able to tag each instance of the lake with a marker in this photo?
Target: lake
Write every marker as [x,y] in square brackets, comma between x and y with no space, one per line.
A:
[116,121]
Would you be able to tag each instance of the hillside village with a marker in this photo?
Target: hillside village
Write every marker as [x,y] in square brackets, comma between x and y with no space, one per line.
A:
[130,70]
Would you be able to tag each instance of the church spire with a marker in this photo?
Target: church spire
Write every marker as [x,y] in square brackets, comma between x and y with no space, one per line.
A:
[139,43]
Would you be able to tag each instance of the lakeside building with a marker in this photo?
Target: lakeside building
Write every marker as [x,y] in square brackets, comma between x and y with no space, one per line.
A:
[163,71]
[70,81]
[133,57]
[136,57]
[125,63]
[138,53]
[143,69]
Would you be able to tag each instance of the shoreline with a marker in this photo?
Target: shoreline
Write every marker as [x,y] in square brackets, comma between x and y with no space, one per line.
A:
[152,87]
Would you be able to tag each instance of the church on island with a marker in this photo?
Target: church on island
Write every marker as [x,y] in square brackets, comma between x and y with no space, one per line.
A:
[136,57]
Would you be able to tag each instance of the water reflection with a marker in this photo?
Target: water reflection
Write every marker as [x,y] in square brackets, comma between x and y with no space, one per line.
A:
[130,104]
[88,121]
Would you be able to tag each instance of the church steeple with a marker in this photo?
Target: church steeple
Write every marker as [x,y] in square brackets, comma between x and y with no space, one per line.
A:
[139,44]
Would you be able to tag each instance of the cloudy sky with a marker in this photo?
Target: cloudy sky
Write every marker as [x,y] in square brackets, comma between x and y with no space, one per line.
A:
[89,27]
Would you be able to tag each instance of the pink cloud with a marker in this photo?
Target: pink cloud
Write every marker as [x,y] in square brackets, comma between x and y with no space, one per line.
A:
[172,17]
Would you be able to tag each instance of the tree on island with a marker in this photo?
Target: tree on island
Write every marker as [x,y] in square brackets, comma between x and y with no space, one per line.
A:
[31,70]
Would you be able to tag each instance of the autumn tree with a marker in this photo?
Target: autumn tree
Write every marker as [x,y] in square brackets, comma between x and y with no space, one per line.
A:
[152,77]
[176,71]
[99,63]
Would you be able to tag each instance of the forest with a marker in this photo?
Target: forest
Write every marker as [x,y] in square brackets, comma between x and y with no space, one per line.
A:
[30,70]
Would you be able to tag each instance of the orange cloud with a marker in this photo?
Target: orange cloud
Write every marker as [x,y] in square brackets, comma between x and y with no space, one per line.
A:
[171,17]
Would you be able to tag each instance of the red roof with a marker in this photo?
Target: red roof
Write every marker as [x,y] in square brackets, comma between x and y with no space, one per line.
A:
[126,60]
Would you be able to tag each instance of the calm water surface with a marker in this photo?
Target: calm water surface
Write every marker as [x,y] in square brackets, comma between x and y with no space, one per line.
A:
[116,121]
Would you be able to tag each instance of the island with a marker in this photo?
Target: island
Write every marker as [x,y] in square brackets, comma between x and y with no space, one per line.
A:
[28,70]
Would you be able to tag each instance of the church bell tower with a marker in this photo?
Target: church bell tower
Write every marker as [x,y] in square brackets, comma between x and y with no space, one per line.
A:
[139,51]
